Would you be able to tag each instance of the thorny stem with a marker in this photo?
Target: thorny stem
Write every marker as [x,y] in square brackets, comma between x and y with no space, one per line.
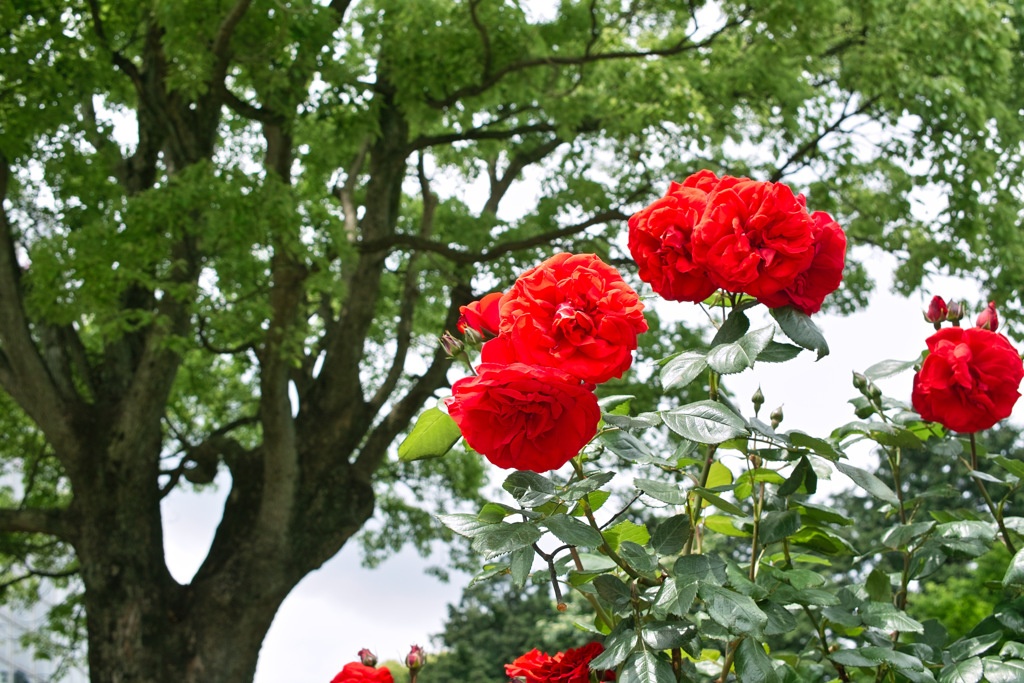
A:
[820,629]
[604,547]
[996,512]
[550,560]
[901,596]
[695,516]
[754,556]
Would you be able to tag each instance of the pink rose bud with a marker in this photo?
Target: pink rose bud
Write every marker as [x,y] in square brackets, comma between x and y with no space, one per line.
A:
[936,312]
[416,658]
[988,320]
[452,346]
[367,658]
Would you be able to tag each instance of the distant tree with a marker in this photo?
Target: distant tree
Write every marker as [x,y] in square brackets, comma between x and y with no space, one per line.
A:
[231,230]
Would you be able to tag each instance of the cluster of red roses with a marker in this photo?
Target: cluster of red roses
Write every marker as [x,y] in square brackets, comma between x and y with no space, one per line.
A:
[740,235]
[564,326]
[970,379]
[571,666]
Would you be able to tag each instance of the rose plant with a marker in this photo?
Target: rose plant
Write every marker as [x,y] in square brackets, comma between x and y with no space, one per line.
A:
[692,531]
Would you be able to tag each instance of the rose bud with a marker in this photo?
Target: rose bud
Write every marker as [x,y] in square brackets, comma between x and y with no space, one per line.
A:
[860,382]
[956,311]
[936,312]
[416,658]
[776,417]
[758,400]
[988,320]
[367,657]
[452,346]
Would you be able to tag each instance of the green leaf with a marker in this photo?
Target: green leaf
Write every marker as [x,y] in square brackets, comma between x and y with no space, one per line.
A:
[665,635]
[972,647]
[878,587]
[573,531]
[873,655]
[732,329]
[967,671]
[814,444]
[1015,572]
[646,667]
[725,525]
[666,492]
[699,568]
[589,485]
[641,421]
[802,480]
[1009,671]
[671,534]
[596,498]
[1011,465]
[727,359]
[778,352]
[465,525]
[613,590]
[776,526]
[627,446]
[637,558]
[617,646]
[885,616]
[529,488]
[705,422]
[779,619]
[683,369]
[737,613]
[753,665]
[626,531]
[716,500]
[433,435]
[520,566]
[888,368]
[801,329]
[718,475]
[499,539]
[869,482]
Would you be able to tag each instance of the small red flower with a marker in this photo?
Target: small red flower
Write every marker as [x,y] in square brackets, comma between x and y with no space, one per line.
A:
[481,315]
[355,672]
[937,310]
[970,379]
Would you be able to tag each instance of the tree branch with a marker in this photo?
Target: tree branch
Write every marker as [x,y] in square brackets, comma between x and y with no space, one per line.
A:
[499,186]
[425,141]
[224,32]
[497,251]
[486,84]
[36,521]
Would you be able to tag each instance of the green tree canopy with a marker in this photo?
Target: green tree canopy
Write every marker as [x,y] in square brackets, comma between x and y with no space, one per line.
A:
[231,229]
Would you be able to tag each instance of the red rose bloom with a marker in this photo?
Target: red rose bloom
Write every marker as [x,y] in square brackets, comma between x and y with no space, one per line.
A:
[573,312]
[524,417]
[355,672]
[969,380]
[754,238]
[572,666]
[989,318]
[660,243]
[824,274]
[481,315]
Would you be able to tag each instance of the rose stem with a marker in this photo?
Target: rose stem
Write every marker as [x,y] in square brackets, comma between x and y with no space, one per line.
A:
[972,467]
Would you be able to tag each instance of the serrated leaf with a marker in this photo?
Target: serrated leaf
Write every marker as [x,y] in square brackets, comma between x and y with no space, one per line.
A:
[610,403]
[778,352]
[617,646]
[779,619]
[1009,671]
[732,329]
[699,568]
[1014,575]
[519,484]
[753,665]
[869,482]
[432,436]
[627,446]
[737,613]
[613,590]
[572,531]
[814,444]
[725,526]
[972,647]
[888,368]
[776,526]
[645,667]
[671,534]
[670,493]
[520,565]
[1011,465]
[596,499]
[716,500]
[967,671]
[705,422]
[465,525]
[885,616]
[626,531]
[718,475]
[641,421]
[592,483]
[803,479]
[637,558]
[878,586]
[499,539]
[665,635]
[801,329]
[683,369]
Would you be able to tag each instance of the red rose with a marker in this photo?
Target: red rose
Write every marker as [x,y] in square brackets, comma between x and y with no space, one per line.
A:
[937,311]
[573,312]
[823,276]
[989,318]
[969,380]
[659,241]
[754,237]
[524,417]
[481,315]
[355,672]
[572,666]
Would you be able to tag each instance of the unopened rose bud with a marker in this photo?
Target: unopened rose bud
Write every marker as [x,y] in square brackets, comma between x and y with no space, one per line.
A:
[874,392]
[936,312]
[452,346]
[955,311]
[473,336]
[367,658]
[416,658]
[776,417]
[860,382]
[988,320]
[758,400]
